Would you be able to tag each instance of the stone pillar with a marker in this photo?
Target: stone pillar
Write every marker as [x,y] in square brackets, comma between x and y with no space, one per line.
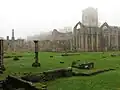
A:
[13,41]
[86,42]
[7,42]
[79,42]
[116,40]
[97,41]
[71,48]
[92,42]
[36,51]
[82,42]
[7,38]
[36,63]
[1,55]
[109,40]
[76,41]
[90,39]
[1,52]
[102,43]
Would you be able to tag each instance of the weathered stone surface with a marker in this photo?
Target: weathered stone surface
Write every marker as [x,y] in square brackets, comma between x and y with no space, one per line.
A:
[49,75]
[36,63]
[114,55]
[12,82]
[1,55]
[102,38]
[91,73]
[79,65]
[70,54]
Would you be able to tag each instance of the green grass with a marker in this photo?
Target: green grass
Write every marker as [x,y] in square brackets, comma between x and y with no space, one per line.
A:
[105,81]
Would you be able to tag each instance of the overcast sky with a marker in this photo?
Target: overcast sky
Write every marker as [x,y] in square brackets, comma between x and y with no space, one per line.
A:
[30,17]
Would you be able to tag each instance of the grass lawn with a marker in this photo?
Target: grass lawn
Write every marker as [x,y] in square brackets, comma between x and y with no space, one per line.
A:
[105,81]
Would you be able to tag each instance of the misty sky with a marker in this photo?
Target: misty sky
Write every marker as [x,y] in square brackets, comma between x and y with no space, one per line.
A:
[30,17]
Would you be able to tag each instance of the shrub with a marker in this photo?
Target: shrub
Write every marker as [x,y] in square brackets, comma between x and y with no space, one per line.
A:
[103,56]
[73,63]
[61,62]
[64,55]
[15,58]
[51,56]
[7,56]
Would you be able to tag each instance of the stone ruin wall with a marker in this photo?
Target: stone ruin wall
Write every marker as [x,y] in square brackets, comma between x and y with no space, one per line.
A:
[104,38]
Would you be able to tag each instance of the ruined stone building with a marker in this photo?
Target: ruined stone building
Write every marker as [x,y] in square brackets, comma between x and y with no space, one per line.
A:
[13,44]
[87,36]
[58,41]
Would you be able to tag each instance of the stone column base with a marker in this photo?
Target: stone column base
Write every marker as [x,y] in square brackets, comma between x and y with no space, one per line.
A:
[2,68]
[35,64]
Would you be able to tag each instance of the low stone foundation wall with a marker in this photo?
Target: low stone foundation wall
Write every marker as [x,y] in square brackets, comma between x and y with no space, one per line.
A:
[53,74]
[70,54]
[49,75]
[11,56]
[91,73]
[13,83]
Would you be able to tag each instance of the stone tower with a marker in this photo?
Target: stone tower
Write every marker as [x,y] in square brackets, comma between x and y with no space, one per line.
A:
[13,41]
[7,38]
[13,38]
[90,17]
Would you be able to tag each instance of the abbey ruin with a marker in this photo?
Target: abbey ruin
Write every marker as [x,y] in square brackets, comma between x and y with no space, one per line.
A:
[85,36]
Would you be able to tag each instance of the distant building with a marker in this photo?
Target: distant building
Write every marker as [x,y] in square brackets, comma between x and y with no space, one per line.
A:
[13,44]
[66,29]
[103,38]
[90,17]
[57,41]
[1,38]
[56,35]
[90,36]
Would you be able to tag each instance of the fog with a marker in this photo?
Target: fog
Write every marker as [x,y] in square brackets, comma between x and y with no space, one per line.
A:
[31,17]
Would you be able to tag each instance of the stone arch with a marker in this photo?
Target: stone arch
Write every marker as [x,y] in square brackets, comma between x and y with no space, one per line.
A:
[78,35]
[78,25]
[105,26]
[105,30]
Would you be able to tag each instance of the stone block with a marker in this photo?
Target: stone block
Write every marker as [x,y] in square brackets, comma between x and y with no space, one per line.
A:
[79,65]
